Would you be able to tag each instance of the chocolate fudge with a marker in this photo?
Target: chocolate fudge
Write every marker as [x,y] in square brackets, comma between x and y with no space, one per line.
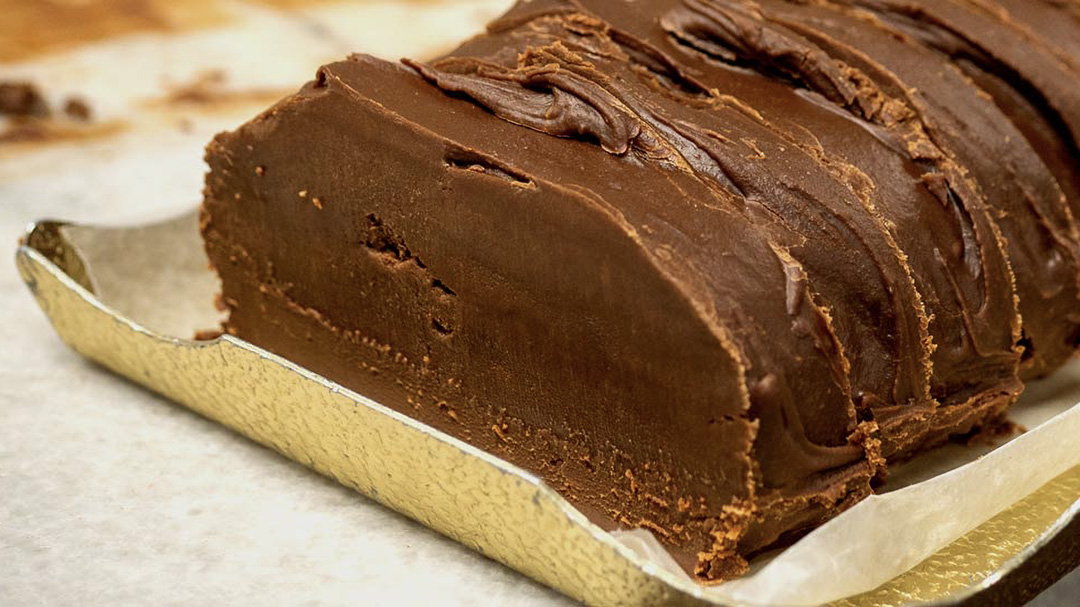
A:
[707,267]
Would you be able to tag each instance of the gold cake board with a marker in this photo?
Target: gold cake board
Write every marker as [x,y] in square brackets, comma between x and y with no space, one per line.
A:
[481,501]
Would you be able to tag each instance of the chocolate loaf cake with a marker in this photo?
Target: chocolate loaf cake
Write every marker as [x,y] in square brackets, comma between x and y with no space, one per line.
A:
[705,266]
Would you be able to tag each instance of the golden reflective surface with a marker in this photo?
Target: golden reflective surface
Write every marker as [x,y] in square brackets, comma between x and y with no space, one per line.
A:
[470,496]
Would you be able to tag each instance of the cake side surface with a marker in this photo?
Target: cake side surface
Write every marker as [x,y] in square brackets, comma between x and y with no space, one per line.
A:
[568,340]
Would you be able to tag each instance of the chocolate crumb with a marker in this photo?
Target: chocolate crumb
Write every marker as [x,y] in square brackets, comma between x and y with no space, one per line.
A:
[76,108]
[22,99]
[208,334]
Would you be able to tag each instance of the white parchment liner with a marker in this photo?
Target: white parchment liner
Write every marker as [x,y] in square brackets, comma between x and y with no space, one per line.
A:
[928,504]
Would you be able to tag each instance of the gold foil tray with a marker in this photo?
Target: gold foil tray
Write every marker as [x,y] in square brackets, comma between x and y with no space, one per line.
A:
[128,298]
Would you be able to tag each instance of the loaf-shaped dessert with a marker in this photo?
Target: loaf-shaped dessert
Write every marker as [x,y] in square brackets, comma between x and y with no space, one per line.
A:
[705,266]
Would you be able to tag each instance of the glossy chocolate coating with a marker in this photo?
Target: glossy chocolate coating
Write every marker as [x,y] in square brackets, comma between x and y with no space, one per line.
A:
[703,265]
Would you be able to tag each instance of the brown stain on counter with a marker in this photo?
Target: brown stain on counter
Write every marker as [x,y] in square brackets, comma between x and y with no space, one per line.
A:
[206,95]
[35,27]
[209,91]
[30,132]
[302,4]
[30,28]
[27,135]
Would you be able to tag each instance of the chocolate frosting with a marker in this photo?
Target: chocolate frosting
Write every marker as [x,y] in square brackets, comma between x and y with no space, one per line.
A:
[706,266]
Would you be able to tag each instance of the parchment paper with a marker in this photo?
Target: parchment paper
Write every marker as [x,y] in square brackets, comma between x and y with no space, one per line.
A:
[930,503]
